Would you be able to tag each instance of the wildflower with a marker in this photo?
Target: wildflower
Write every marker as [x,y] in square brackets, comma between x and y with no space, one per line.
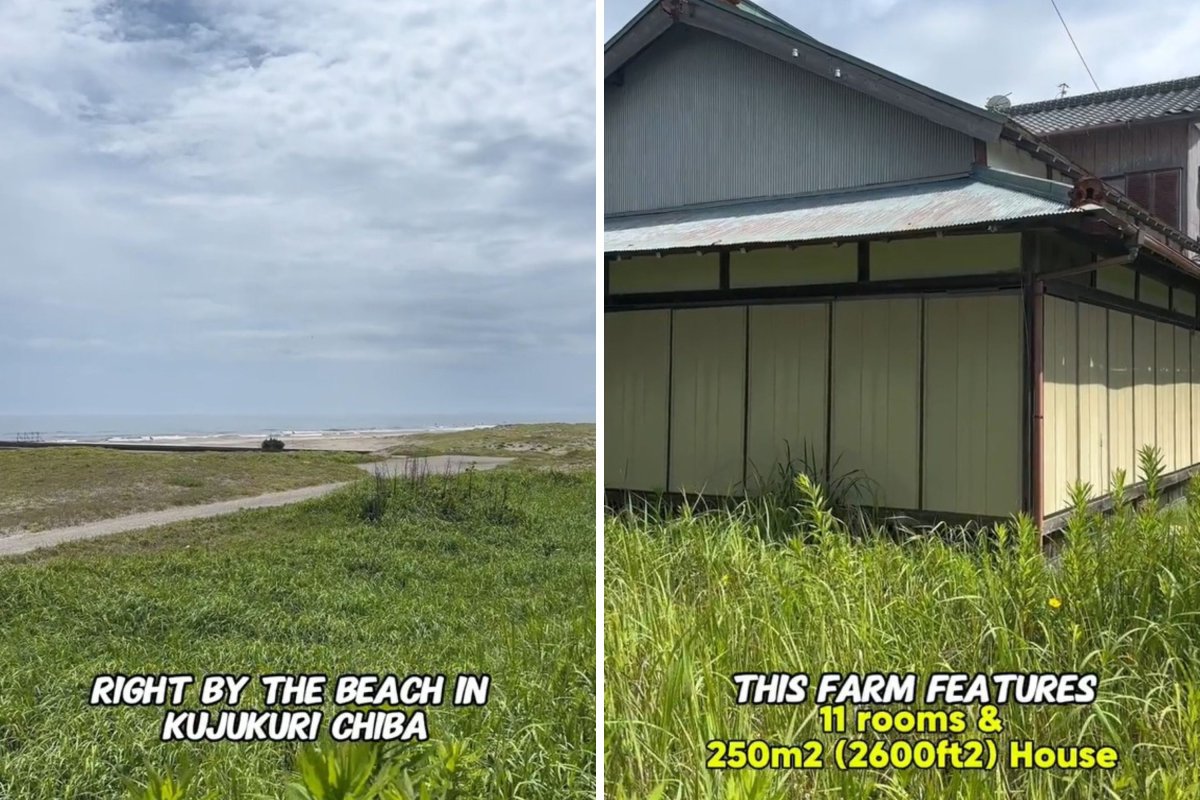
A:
[1055,603]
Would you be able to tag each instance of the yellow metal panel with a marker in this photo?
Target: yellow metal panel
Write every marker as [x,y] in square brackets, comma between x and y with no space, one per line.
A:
[876,391]
[1184,302]
[1060,397]
[1195,404]
[1143,384]
[972,451]
[789,363]
[1183,399]
[1116,280]
[799,267]
[950,255]
[666,274]
[636,347]
[1164,393]
[1154,293]
[1093,398]
[708,392]
[1122,454]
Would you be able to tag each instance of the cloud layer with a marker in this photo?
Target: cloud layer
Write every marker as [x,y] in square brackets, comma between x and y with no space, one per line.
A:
[342,201]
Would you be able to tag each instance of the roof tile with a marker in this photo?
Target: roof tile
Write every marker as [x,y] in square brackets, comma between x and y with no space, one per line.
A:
[1148,101]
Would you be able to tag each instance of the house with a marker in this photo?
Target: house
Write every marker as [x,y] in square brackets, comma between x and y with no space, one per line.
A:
[1142,140]
[808,254]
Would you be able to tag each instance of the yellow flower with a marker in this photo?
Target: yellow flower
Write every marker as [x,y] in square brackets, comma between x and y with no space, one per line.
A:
[1055,603]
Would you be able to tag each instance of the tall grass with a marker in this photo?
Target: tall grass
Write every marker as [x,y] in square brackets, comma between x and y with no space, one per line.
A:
[692,599]
[491,572]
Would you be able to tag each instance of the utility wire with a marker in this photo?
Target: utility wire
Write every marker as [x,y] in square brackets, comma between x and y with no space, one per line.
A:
[1072,38]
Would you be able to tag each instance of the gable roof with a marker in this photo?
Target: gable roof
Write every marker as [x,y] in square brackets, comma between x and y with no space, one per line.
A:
[756,27]
[1116,106]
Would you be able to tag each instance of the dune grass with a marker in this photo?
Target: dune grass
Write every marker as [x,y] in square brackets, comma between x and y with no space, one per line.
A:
[694,598]
[55,486]
[481,572]
[556,445]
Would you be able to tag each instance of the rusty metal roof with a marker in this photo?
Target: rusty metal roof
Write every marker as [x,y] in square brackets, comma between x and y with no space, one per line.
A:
[1128,104]
[986,196]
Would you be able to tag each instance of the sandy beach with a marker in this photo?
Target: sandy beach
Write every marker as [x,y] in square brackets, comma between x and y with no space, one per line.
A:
[356,441]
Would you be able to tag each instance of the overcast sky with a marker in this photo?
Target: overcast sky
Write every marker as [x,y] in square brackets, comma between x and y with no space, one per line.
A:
[973,49]
[262,206]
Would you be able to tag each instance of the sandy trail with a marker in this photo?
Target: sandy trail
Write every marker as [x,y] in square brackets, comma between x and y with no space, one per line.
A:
[18,543]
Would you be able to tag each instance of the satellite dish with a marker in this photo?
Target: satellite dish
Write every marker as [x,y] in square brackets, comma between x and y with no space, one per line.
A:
[999,103]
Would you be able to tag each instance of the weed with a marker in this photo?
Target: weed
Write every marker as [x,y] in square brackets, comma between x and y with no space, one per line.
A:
[312,588]
[692,599]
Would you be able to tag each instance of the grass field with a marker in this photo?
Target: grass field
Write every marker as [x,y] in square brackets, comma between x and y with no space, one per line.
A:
[551,445]
[51,487]
[488,572]
[693,599]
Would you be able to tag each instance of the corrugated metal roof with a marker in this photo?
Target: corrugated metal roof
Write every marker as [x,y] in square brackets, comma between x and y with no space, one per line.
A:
[975,200]
[1149,101]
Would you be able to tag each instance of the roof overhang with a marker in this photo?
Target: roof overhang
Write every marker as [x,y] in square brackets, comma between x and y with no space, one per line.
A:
[985,198]
[795,47]
[1036,146]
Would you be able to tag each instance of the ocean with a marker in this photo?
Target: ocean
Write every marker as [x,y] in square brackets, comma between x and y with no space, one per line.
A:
[165,427]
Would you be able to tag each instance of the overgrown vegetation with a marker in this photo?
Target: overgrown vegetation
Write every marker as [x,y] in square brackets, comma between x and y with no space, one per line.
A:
[273,444]
[489,572]
[55,486]
[558,445]
[693,598]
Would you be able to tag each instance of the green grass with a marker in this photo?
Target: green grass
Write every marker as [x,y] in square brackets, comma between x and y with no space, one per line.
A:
[488,572]
[51,487]
[692,599]
[558,445]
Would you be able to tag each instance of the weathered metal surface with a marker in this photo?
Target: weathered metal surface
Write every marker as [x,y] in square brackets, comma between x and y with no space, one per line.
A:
[699,118]
[930,206]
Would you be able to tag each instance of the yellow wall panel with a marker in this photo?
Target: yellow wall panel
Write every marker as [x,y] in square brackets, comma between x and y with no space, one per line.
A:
[1184,456]
[972,414]
[666,274]
[1153,292]
[949,255]
[788,389]
[1060,399]
[1093,398]
[636,346]
[708,391]
[1122,453]
[1184,302]
[799,267]
[1195,394]
[1164,394]
[875,395]
[1144,408]
[1116,280]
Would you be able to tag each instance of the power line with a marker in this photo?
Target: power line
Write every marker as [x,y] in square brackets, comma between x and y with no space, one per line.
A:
[1072,38]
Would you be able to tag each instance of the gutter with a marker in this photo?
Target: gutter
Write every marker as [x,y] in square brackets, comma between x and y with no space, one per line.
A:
[1026,140]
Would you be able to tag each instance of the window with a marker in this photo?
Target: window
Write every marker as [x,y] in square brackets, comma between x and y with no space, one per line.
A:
[1157,192]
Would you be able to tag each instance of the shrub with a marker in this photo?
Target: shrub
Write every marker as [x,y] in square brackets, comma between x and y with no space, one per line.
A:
[272,444]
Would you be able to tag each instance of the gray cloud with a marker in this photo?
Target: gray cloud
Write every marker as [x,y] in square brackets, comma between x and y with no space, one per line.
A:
[264,181]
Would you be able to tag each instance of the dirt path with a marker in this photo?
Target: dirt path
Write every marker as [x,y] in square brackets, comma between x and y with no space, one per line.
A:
[18,543]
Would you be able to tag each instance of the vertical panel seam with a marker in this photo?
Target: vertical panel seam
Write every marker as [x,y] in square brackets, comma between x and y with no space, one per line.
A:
[921,407]
[746,402]
[670,389]
[828,388]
